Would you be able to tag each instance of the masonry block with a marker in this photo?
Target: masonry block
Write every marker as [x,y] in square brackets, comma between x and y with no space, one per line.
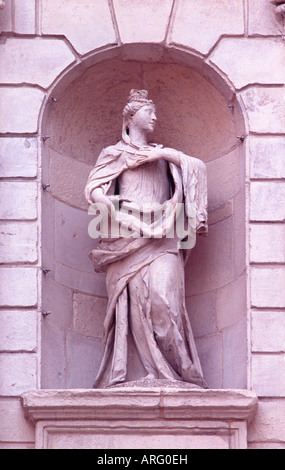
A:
[14,427]
[18,241]
[262,18]
[18,373]
[253,60]
[18,200]
[223,175]
[72,241]
[210,351]
[18,157]
[18,287]
[70,188]
[235,355]
[18,64]
[265,107]
[267,201]
[21,107]
[268,374]
[6,17]
[268,287]
[199,24]
[81,374]
[25,16]
[142,22]
[12,325]
[267,157]
[201,310]
[88,314]
[87,25]
[267,243]
[230,303]
[268,424]
[268,331]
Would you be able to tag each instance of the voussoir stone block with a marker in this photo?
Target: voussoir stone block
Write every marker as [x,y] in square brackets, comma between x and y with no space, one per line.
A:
[18,64]
[265,107]
[142,21]
[25,16]
[87,25]
[199,24]
[262,18]
[253,60]
[21,107]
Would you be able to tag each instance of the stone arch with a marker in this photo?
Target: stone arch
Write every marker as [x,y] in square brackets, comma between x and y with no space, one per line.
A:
[201,115]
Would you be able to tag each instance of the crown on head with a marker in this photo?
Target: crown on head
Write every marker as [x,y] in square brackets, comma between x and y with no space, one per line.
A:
[139,95]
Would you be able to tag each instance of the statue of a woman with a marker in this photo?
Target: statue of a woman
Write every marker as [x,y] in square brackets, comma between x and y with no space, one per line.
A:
[145,270]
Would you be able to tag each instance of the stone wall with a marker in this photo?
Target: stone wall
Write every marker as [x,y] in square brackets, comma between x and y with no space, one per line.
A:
[238,47]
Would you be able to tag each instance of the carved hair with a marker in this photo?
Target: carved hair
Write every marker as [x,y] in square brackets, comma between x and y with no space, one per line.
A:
[137,99]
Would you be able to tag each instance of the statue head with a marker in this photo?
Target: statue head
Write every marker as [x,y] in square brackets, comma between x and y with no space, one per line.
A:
[137,100]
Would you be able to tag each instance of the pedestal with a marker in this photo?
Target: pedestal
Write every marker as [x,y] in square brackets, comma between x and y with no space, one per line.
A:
[140,418]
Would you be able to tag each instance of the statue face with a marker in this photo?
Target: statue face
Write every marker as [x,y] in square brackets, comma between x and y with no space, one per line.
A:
[144,119]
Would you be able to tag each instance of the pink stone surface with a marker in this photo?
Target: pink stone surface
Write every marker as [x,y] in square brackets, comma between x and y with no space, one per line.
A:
[265,107]
[132,18]
[18,372]
[24,204]
[106,413]
[20,242]
[267,157]
[12,324]
[268,287]
[86,25]
[199,24]
[254,60]
[21,107]
[220,29]
[19,157]
[267,242]
[261,18]
[17,64]
[18,286]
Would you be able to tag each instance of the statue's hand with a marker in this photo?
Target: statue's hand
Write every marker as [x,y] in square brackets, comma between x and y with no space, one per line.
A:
[153,154]
[150,154]
[98,197]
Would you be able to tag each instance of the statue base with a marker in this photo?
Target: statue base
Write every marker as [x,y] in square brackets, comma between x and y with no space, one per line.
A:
[132,417]
[155,383]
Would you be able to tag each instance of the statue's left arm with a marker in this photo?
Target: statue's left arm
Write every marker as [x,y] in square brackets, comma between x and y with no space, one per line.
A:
[194,181]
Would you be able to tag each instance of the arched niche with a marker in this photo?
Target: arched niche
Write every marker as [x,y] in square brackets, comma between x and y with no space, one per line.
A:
[197,113]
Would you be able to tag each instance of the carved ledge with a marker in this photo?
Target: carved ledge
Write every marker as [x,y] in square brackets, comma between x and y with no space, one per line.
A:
[130,417]
[279,8]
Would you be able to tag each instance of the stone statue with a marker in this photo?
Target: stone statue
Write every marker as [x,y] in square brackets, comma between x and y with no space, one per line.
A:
[146,191]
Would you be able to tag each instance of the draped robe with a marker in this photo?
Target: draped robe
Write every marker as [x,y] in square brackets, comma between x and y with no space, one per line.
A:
[145,274]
